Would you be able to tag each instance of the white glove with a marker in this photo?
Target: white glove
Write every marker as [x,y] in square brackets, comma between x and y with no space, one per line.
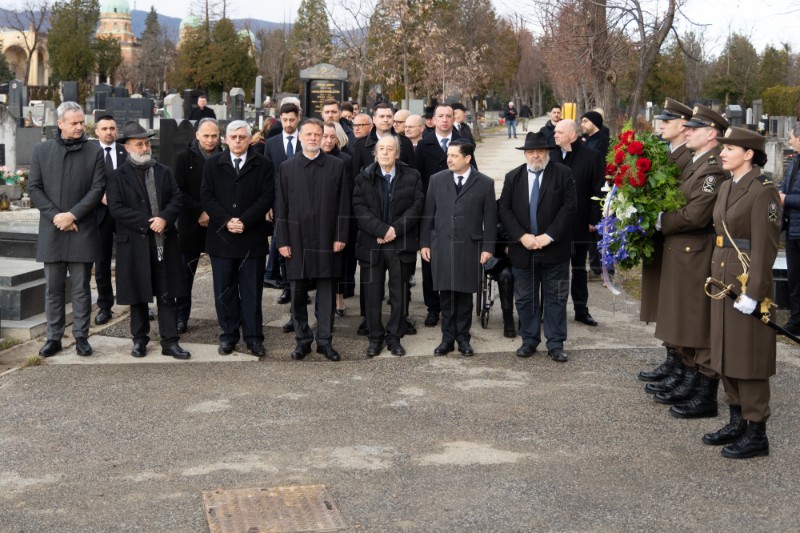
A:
[658,221]
[745,304]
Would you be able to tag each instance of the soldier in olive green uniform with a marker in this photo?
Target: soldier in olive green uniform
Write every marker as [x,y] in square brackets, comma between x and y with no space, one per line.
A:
[672,117]
[683,317]
[743,349]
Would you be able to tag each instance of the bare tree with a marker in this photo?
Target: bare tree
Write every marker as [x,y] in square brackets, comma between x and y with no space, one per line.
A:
[351,24]
[28,22]
[273,55]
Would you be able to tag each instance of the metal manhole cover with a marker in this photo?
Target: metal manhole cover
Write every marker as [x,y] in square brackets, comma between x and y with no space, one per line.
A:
[292,509]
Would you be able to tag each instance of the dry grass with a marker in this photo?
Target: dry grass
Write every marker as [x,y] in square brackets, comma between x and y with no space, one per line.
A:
[33,360]
[5,344]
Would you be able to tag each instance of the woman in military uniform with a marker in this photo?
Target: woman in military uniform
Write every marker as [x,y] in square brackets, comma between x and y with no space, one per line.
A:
[747,217]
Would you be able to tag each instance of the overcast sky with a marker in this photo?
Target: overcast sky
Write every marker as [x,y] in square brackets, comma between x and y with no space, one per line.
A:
[765,21]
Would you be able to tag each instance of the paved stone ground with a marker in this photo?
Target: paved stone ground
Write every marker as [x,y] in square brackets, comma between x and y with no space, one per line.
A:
[489,443]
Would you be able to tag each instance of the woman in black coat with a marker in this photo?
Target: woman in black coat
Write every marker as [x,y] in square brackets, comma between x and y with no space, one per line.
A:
[334,139]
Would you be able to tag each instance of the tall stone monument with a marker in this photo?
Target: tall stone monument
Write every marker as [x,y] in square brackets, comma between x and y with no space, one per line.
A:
[319,83]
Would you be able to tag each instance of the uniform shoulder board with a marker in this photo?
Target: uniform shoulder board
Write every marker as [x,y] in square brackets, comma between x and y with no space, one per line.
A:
[764,180]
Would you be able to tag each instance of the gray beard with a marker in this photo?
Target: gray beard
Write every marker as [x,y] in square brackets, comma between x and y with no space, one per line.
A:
[140,159]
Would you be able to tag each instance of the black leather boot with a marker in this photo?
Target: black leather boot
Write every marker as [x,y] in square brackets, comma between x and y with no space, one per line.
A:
[668,383]
[703,404]
[682,392]
[509,328]
[753,443]
[730,432]
[663,370]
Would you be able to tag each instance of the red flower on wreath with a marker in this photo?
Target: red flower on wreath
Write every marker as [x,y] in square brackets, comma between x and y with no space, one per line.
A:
[627,137]
[618,180]
[610,169]
[638,180]
[624,169]
[635,148]
[643,164]
[619,157]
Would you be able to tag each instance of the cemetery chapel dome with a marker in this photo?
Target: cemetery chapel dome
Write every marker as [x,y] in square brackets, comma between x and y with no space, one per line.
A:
[115,6]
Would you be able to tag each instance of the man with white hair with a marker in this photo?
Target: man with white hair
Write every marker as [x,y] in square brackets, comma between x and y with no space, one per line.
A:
[237,192]
[66,183]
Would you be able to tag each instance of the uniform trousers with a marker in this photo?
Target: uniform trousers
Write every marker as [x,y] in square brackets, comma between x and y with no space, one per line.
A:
[102,268]
[238,289]
[374,277]
[326,302]
[55,275]
[551,281]
[456,316]
[751,394]
[167,314]
[699,358]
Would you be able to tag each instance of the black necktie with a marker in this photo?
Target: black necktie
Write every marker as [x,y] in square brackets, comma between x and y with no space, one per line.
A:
[460,184]
[237,162]
[385,183]
[109,161]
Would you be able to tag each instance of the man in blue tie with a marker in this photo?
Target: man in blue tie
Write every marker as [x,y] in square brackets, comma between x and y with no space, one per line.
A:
[536,207]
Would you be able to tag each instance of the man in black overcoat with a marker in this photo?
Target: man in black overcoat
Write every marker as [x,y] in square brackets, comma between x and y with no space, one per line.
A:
[588,170]
[114,155]
[312,215]
[238,190]
[145,201]
[537,207]
[431,157]
[387,203]
[193,221]
[457,236]
[383,124]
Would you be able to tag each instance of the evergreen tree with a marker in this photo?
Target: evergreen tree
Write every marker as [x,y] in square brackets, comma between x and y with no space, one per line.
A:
[311,36]
[5,70]
[108,56]
[70,39]
[232,63]
[156,53]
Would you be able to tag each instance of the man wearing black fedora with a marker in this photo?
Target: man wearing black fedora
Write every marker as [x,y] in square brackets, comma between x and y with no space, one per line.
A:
[536,207]
[145,201]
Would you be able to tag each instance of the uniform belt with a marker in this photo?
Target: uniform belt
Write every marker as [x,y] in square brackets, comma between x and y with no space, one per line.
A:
[724,242]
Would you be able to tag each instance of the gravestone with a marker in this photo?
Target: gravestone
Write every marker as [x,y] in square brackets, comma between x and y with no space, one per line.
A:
[125,109]
[319,83]
[69,91]
[174,137]
[257,96]
[8,139]
[173,105]
[101,92]
[190,100]
[734,115]
[237,103]
[120,91]
[17,99]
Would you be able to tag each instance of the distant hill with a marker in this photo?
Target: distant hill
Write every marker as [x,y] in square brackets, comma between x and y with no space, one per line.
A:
[170,24]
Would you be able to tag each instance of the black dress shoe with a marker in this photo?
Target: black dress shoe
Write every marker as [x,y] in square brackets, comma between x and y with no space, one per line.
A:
[443,349]
[150,314]
[375,348]
[182,327]
[288,327]
[411,329]
[432,319]
[103,316]
[226,348]
[465,348]
[257,349]
[82,346]
[139,349]
[271,284]
[329,353]
[586,318]
[397,349]
[50,348]
[300,351]
[340,312]
[526,350]
[362,330]
[285,297]
[175,351]
[558,355]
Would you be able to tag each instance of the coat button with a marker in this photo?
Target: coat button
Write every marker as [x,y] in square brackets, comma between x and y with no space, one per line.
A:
[722,265]
[234,206]
[688,249]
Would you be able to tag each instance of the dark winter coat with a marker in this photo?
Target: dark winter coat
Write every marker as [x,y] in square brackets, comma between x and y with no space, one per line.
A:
[248,197]
[458,227]
[189,166]
[67,178]
[588,171]
[599,141]
[312,212]
[122,155]
[129,205]
[549,131]
[364,151]
[406,202]
[430,158]
[791,204]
